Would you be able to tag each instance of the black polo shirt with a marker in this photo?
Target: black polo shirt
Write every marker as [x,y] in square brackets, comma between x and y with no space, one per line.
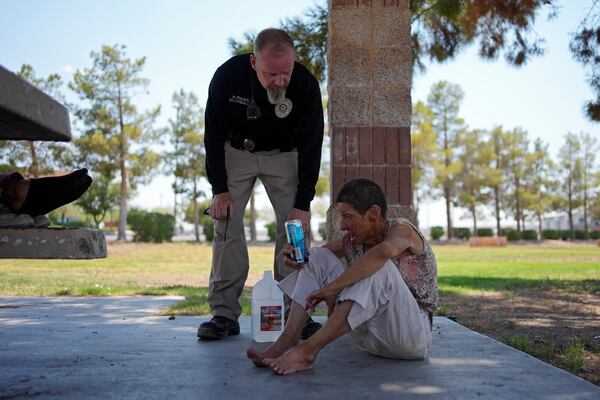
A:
[230,91]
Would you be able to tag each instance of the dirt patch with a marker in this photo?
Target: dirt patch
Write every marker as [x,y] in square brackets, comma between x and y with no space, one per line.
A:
[559,327]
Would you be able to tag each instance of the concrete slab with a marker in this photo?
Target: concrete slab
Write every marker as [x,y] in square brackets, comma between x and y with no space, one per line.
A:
[76,348]
[63,243]
[27,113]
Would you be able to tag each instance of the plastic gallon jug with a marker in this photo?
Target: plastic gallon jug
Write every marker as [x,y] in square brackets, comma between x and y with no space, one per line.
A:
[267,309]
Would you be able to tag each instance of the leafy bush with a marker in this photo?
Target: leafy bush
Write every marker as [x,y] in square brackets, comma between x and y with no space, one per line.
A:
[520,343]
[65,222]
[485,232]
[581,235]
[511,234]
[565,234]
[74,224]
[436,232]
[574,355]
[595,235]
[207,227]
[151,226]
[461,233]
[551,234]
[529,234]
[272,230]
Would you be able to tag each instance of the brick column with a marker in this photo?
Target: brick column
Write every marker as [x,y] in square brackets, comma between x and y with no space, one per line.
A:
[370,73]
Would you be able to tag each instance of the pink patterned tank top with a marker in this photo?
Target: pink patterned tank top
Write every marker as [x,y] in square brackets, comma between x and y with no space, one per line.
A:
[419,271]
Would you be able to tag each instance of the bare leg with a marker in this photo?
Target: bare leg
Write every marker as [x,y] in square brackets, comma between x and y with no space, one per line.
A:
[303,355]
[287,340]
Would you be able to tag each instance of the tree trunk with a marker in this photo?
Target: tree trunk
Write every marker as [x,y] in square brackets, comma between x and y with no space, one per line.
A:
[196,213]
[123,201]
[497,206]
[518,204]
[473,213]
[252,217]
[448,211]
[33,170]
[122,236]
[585,207]
[570,206]
[540,226]
[175,208]
[416,208]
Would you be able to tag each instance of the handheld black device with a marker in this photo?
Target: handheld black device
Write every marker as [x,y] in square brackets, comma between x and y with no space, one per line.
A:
[252,111]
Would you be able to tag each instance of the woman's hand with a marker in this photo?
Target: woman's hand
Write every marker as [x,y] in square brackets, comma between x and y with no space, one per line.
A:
[326,294]
[287,251]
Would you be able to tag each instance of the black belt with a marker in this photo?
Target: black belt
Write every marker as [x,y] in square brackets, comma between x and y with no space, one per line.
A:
[251,146]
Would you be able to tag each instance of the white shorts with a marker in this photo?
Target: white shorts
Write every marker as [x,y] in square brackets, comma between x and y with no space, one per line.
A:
[385,318]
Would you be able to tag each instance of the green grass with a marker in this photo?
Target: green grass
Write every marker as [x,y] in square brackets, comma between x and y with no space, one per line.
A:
[183,269]
[464,270]
[570,356]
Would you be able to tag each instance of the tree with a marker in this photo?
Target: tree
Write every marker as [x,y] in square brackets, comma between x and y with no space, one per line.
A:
[116,137]
[585,48]
[440,29]
[570,165]
[477,175]
[37,158]
[424,154]
[595,203]
[101,197]
[186,161]
[444,102]
[589,149]
[517,147]
[498,138]
[542,183]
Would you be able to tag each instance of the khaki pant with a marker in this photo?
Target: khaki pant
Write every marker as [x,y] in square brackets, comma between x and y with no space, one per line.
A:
[385,318]
[278,172]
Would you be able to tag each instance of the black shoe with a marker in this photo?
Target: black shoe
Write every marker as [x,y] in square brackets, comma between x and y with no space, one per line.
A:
[310,328]
[218,328]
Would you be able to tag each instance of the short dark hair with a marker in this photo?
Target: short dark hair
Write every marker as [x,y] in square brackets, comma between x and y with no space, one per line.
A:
[361,194]
[277,40]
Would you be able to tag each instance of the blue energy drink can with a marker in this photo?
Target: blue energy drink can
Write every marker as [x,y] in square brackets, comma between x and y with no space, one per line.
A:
[295,237]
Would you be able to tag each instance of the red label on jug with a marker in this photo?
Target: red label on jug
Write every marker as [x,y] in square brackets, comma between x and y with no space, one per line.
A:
[271,318]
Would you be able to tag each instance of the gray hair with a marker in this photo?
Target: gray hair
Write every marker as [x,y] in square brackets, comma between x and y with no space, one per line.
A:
[276,40]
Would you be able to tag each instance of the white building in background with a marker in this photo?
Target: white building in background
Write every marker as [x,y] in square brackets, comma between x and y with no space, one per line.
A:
[560,221]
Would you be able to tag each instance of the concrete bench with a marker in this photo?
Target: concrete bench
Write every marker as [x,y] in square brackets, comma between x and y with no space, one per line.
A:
[27,113]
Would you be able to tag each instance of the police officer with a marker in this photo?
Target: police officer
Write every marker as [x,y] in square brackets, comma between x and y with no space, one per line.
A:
[264,119]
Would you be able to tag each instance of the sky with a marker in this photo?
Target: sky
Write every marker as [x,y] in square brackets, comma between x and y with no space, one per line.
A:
[184,41]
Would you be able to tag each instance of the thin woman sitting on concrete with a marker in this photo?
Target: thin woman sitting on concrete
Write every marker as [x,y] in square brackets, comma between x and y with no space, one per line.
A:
[385,297]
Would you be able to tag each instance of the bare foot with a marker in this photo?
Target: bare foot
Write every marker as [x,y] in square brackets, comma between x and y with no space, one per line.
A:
[275,350]
[294,360]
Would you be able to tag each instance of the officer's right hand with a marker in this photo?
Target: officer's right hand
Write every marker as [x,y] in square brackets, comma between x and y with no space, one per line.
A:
[287,251]
[221,206]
